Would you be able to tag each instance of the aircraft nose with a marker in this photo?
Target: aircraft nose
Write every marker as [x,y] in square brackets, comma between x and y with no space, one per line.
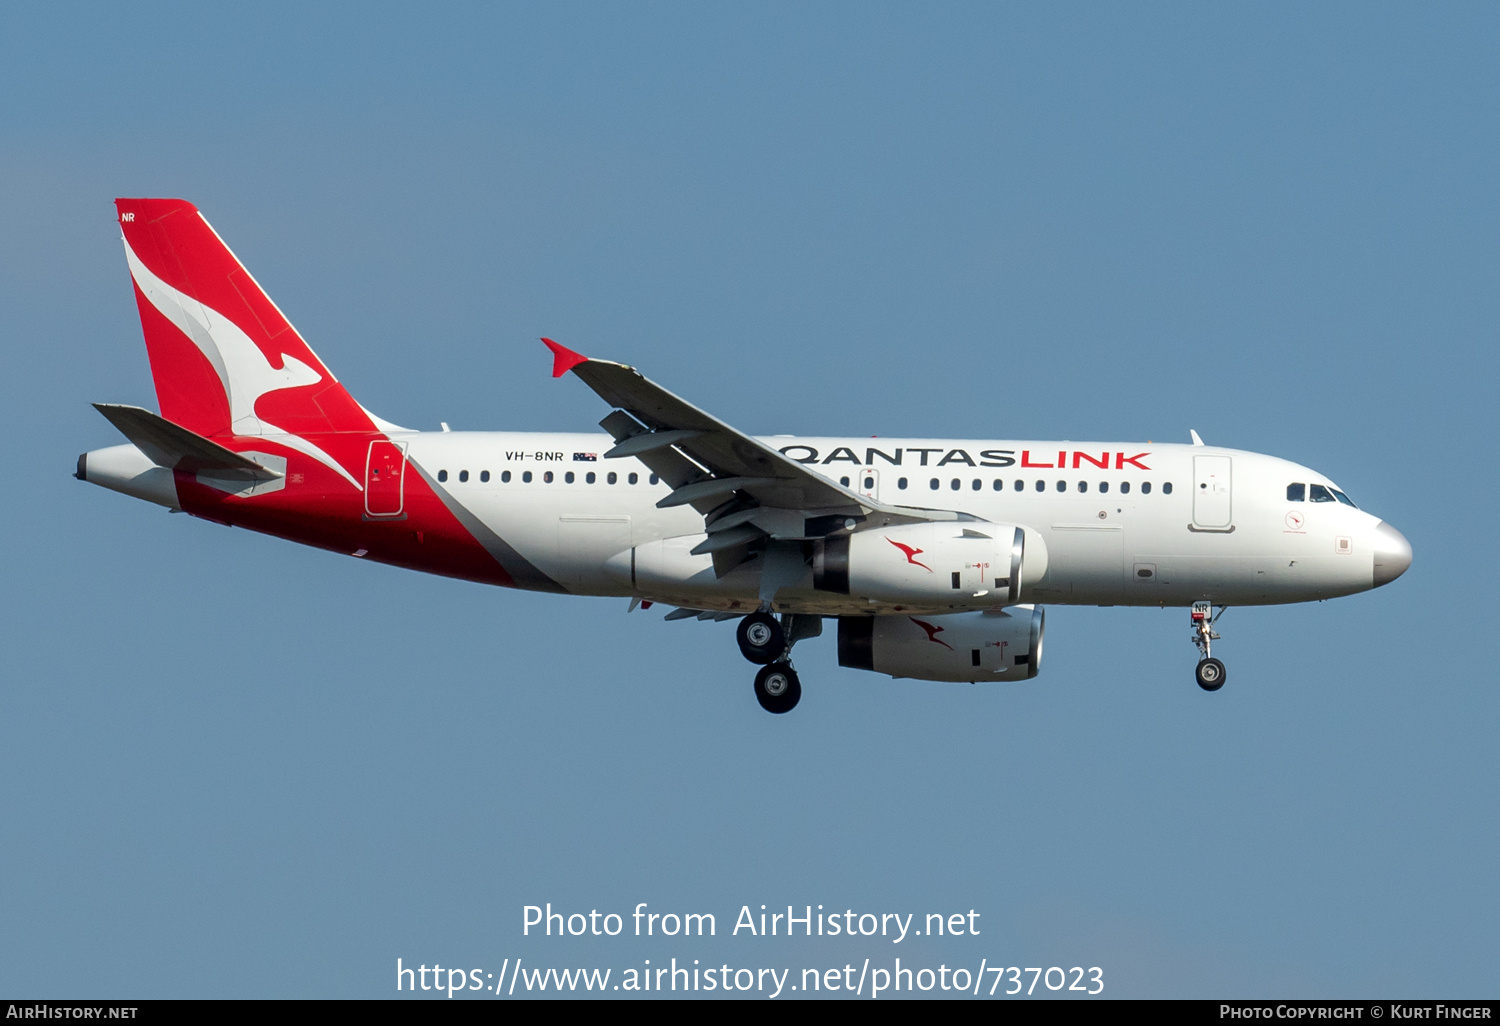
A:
[1392,553]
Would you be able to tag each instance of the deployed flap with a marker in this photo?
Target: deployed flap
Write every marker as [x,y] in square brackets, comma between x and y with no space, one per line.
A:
[764,474]
[175,447]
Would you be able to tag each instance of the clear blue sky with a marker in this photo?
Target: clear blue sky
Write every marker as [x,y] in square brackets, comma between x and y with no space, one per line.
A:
[233,766]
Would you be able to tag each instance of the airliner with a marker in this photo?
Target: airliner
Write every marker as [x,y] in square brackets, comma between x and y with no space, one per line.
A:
[933,557]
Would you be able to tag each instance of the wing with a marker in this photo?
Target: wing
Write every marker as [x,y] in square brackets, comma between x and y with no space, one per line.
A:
[747,491]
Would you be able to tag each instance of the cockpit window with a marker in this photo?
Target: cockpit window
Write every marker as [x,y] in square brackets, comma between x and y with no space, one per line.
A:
[1317,493]
[1296,492]
[1342,497]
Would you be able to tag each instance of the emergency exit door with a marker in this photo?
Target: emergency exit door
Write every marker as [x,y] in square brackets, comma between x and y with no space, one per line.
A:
[1213,505]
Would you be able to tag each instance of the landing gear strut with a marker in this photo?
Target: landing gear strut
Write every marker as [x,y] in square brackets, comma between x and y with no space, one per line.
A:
[1211,673]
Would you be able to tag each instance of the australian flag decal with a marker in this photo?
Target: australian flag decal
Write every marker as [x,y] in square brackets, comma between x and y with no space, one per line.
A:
[585,457]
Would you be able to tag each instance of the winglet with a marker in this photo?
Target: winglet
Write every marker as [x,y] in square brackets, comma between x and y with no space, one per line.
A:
[1196,439]
[563,358]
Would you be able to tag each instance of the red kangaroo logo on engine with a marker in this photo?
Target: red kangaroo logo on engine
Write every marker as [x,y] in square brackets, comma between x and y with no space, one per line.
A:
[911,556]
[932,631]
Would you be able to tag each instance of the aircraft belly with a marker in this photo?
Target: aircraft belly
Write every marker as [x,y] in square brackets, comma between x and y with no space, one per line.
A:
[1231,580]
[1245,580]
[1085,564]
[573,539]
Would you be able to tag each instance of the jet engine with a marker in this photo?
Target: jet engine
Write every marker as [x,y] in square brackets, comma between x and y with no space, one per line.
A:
[952,562]
[984,645]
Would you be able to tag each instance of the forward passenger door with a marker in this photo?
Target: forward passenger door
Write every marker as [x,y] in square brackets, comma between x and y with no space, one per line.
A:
[1213,507]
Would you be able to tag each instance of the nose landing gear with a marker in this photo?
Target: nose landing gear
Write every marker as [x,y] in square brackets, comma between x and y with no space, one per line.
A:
[1211,673]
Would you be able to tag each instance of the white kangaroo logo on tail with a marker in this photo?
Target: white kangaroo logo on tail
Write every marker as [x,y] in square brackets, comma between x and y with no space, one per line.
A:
[245,371]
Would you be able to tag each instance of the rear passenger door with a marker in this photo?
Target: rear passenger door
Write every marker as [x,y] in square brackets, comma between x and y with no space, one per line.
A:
[385,473]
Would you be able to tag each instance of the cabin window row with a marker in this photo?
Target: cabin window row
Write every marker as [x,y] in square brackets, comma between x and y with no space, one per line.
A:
[548,477]
[999,484]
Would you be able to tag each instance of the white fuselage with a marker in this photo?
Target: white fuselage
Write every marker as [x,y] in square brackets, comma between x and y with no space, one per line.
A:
[1122,524]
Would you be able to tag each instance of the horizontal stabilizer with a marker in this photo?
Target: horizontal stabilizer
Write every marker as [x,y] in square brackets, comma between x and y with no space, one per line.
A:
[175,447]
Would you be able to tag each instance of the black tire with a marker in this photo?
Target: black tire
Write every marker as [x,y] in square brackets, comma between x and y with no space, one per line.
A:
[1211,674]
[777,688]
[761,638]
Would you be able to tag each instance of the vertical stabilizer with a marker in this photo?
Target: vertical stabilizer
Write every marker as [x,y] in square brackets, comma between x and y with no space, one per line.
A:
[224,359]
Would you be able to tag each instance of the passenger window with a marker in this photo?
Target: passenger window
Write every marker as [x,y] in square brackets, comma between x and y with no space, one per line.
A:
[1103,486]
[999,485]
[611,477]
[526,477]
[1020,485]
[589,478]
[978,484]
[505,477]
[1083,486]
[901,483]
[844,481]
[954,484]
[1166,488]
[568,477]
[463,475]
[654,479]
[634,477]
[1145,487]
[1296,492]
[1062,486]
[1317,493]
[547,477]
[933,484]
[484,475]
[869,484]
[442,475]
[1041,485]
[1124,487]
[1342,497]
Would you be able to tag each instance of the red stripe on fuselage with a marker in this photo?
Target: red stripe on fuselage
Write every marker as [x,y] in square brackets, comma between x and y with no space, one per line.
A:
[318,507]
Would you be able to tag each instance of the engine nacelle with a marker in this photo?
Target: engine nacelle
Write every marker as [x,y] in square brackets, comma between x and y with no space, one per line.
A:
[984,645]
[951,562]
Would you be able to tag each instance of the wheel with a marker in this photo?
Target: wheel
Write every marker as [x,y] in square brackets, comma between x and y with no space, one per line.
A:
[761,638]
[777,688]
[1211,674]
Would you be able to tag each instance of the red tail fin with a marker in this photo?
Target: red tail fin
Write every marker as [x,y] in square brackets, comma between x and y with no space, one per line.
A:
[224,358]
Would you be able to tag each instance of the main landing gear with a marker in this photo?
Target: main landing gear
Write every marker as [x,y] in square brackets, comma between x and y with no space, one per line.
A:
[1211,673]
[768,642]
[761,638]
[777,687]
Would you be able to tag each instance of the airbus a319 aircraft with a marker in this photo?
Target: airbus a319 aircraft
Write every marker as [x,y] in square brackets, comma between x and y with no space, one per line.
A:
[932,556]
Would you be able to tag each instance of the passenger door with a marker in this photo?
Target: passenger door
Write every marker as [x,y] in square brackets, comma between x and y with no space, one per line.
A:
[385,472]
[1212,496]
